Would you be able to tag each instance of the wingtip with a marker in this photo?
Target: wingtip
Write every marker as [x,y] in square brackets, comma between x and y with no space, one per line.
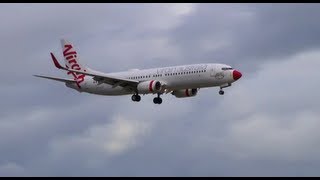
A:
[55,61]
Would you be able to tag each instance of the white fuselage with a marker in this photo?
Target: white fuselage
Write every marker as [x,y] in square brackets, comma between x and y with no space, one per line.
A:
[175,78]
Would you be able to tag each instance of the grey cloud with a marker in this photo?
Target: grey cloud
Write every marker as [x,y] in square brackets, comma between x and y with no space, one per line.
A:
[9,169]
[246,34]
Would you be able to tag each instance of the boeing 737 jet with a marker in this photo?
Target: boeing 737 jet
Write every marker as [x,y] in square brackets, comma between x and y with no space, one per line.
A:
[180,81]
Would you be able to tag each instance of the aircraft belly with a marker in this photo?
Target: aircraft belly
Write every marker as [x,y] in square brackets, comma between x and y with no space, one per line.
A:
[105,89]
[189,82]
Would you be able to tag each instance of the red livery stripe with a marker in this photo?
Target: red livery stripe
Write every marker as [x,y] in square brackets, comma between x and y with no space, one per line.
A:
[150,86]
[187,92]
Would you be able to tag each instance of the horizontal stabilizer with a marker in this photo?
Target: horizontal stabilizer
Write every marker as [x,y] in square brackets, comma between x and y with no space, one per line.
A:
[56,79]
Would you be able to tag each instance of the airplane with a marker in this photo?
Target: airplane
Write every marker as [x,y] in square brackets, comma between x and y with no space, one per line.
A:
[180,81]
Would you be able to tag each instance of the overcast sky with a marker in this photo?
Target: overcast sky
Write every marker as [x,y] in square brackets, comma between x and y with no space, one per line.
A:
[266,124]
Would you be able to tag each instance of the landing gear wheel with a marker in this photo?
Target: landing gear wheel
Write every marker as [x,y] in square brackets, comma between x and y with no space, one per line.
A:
[221,92]
[133,97]
[157,100]
[136,98]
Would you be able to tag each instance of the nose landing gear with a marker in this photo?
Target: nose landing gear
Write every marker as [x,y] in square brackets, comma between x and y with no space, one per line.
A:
[221,92]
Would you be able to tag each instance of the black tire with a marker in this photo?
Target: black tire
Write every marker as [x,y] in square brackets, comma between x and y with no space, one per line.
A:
[221,92]
[159,100]
[138,98]
[155,100]
[133,97]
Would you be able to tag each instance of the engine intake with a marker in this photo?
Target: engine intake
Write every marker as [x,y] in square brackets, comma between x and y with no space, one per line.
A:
[185,93]
[146,87]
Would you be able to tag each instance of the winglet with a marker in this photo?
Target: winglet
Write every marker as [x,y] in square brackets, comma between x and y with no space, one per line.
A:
[55,61]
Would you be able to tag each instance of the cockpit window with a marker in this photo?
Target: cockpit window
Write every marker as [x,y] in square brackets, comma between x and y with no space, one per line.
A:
[227,68]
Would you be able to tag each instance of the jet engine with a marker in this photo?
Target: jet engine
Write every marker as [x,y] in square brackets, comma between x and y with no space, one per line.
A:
[185,93]
[146,87]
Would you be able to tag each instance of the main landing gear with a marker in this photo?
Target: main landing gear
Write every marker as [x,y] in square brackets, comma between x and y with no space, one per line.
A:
[157,100]
[136,98]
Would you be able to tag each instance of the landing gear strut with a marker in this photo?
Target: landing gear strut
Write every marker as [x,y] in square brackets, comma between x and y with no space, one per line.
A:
[136,98]
[157,100]
[221,92]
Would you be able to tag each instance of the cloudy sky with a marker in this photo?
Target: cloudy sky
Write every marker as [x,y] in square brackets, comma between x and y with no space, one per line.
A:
[266,124]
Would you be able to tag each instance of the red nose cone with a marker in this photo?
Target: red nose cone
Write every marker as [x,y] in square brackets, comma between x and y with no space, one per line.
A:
[236,75]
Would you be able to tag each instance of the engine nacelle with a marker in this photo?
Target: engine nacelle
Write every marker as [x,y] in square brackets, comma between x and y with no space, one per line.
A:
[146,87]
[185,93]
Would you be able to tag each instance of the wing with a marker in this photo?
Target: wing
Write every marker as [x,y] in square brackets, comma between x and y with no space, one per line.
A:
[56,79]
[115,81]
